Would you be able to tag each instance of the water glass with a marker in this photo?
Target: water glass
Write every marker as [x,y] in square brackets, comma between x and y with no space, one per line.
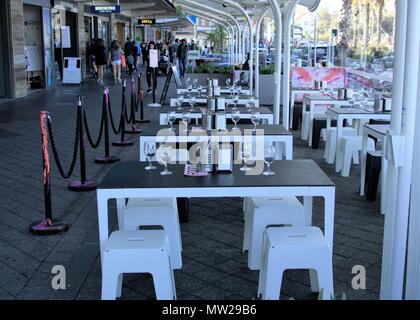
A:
[236,117]
[171,120]
[245,154]
[150,152]
[235,101]
[186,119]
[192,103]
[165,157]
[180,102]
[269,157]
[255,119]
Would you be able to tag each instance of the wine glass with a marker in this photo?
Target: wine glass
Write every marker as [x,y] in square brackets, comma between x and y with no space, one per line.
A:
[255,119]
[228,82]
[195,82]
[192,104]
[150,151]
[189,88]
[165,156]
[180,102]
[171,120]
[200,90]
[269,157]
[250,104]
[186,119]
[236,117]
[245,154]
[235,101]
[232,90]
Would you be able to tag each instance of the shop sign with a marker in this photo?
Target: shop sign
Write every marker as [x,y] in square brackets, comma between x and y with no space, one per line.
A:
[147,21]
[105,9]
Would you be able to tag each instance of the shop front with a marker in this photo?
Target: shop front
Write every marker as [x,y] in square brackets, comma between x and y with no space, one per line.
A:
[38,44]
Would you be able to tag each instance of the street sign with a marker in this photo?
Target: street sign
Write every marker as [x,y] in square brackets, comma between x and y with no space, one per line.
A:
[147,21]
[105,9]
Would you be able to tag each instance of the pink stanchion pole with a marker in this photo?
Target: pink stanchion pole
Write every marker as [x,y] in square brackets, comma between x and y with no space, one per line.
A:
[134,129]
[48,225]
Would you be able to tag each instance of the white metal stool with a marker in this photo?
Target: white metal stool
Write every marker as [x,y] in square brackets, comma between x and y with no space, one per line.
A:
[144,251]
[331,142]
[295,248]
[264,212]
[155,212]
[349,149]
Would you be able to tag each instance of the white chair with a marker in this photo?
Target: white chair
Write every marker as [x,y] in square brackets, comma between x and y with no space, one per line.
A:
[295,248]
[349,149]
[145,251]
[155,212]
[331,142]
[262,213]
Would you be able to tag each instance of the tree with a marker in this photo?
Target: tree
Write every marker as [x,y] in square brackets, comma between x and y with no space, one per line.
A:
[344,30]
[217,37]
[380,5]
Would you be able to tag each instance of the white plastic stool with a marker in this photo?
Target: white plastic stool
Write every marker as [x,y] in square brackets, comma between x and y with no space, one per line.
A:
[304,135]
[156,212]
[295,248]
[143,251]
[264,212]
[331,142]
[349,149]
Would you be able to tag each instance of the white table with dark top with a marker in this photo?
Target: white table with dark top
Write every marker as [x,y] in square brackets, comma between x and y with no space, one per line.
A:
[378,131]
[243,100]
[361,115]
[223,90]
[300,178]
[266,114]
[266,134]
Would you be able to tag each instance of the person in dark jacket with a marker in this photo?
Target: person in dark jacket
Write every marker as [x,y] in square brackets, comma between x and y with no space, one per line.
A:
[182,56]
[150,72]
[101,59]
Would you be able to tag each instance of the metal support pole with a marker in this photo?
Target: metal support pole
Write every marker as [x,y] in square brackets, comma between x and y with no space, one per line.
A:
[286,68]
[257,58]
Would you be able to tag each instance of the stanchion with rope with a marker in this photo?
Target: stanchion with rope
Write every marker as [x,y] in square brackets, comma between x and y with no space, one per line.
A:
[140,100]
[107,158]
[132,119]
[83,184]
[122,142]
[47,226]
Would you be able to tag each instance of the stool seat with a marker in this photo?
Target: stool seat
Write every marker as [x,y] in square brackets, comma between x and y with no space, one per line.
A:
[295,237]
[150,202]
[145,251]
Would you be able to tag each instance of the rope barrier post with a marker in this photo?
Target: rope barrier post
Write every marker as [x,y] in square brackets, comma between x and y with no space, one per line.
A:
[47,226]
[83,184]
[122,142]
[134,129]
[140,100]
[106,158]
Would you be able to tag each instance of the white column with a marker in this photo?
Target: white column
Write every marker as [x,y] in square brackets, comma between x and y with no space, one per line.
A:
[286,65]
[413,253]
[277,78]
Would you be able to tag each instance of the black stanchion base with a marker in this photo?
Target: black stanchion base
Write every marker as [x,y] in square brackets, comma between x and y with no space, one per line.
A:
[42,228]
[80,187]
[105,159]
[143,121]
[134,131]
[124,143]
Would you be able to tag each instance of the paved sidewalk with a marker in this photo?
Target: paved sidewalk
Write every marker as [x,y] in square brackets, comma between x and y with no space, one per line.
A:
[213,264]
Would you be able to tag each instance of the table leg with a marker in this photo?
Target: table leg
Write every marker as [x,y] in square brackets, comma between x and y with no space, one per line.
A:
[311,123]
[384,173]
[363,165]
[338,142]
[289,149]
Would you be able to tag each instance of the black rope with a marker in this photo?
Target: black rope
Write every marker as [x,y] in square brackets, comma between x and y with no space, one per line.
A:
[112,119]
[55,152]
[96,144]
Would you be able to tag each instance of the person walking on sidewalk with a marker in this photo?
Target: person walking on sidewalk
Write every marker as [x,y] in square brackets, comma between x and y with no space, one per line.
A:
[182,57]
[150,72]
[115,53]
[101,59]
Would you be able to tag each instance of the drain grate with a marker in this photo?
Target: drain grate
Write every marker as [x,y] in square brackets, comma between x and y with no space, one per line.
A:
[78,271]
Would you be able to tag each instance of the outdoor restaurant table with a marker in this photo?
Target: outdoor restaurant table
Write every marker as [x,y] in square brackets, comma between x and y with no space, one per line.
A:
[266,114]
[223,90]
[294,92]
[378,131]
[268,134]
[300,178]
[359,114]
[243,99]
[317,105]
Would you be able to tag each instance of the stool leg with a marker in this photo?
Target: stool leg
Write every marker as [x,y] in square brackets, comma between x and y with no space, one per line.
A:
[313,277]
[119,285]
[247,215]
[273,280]
[256,241]
[347,155]
[163,282]
[326,283]
[316,134]
[109,285]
